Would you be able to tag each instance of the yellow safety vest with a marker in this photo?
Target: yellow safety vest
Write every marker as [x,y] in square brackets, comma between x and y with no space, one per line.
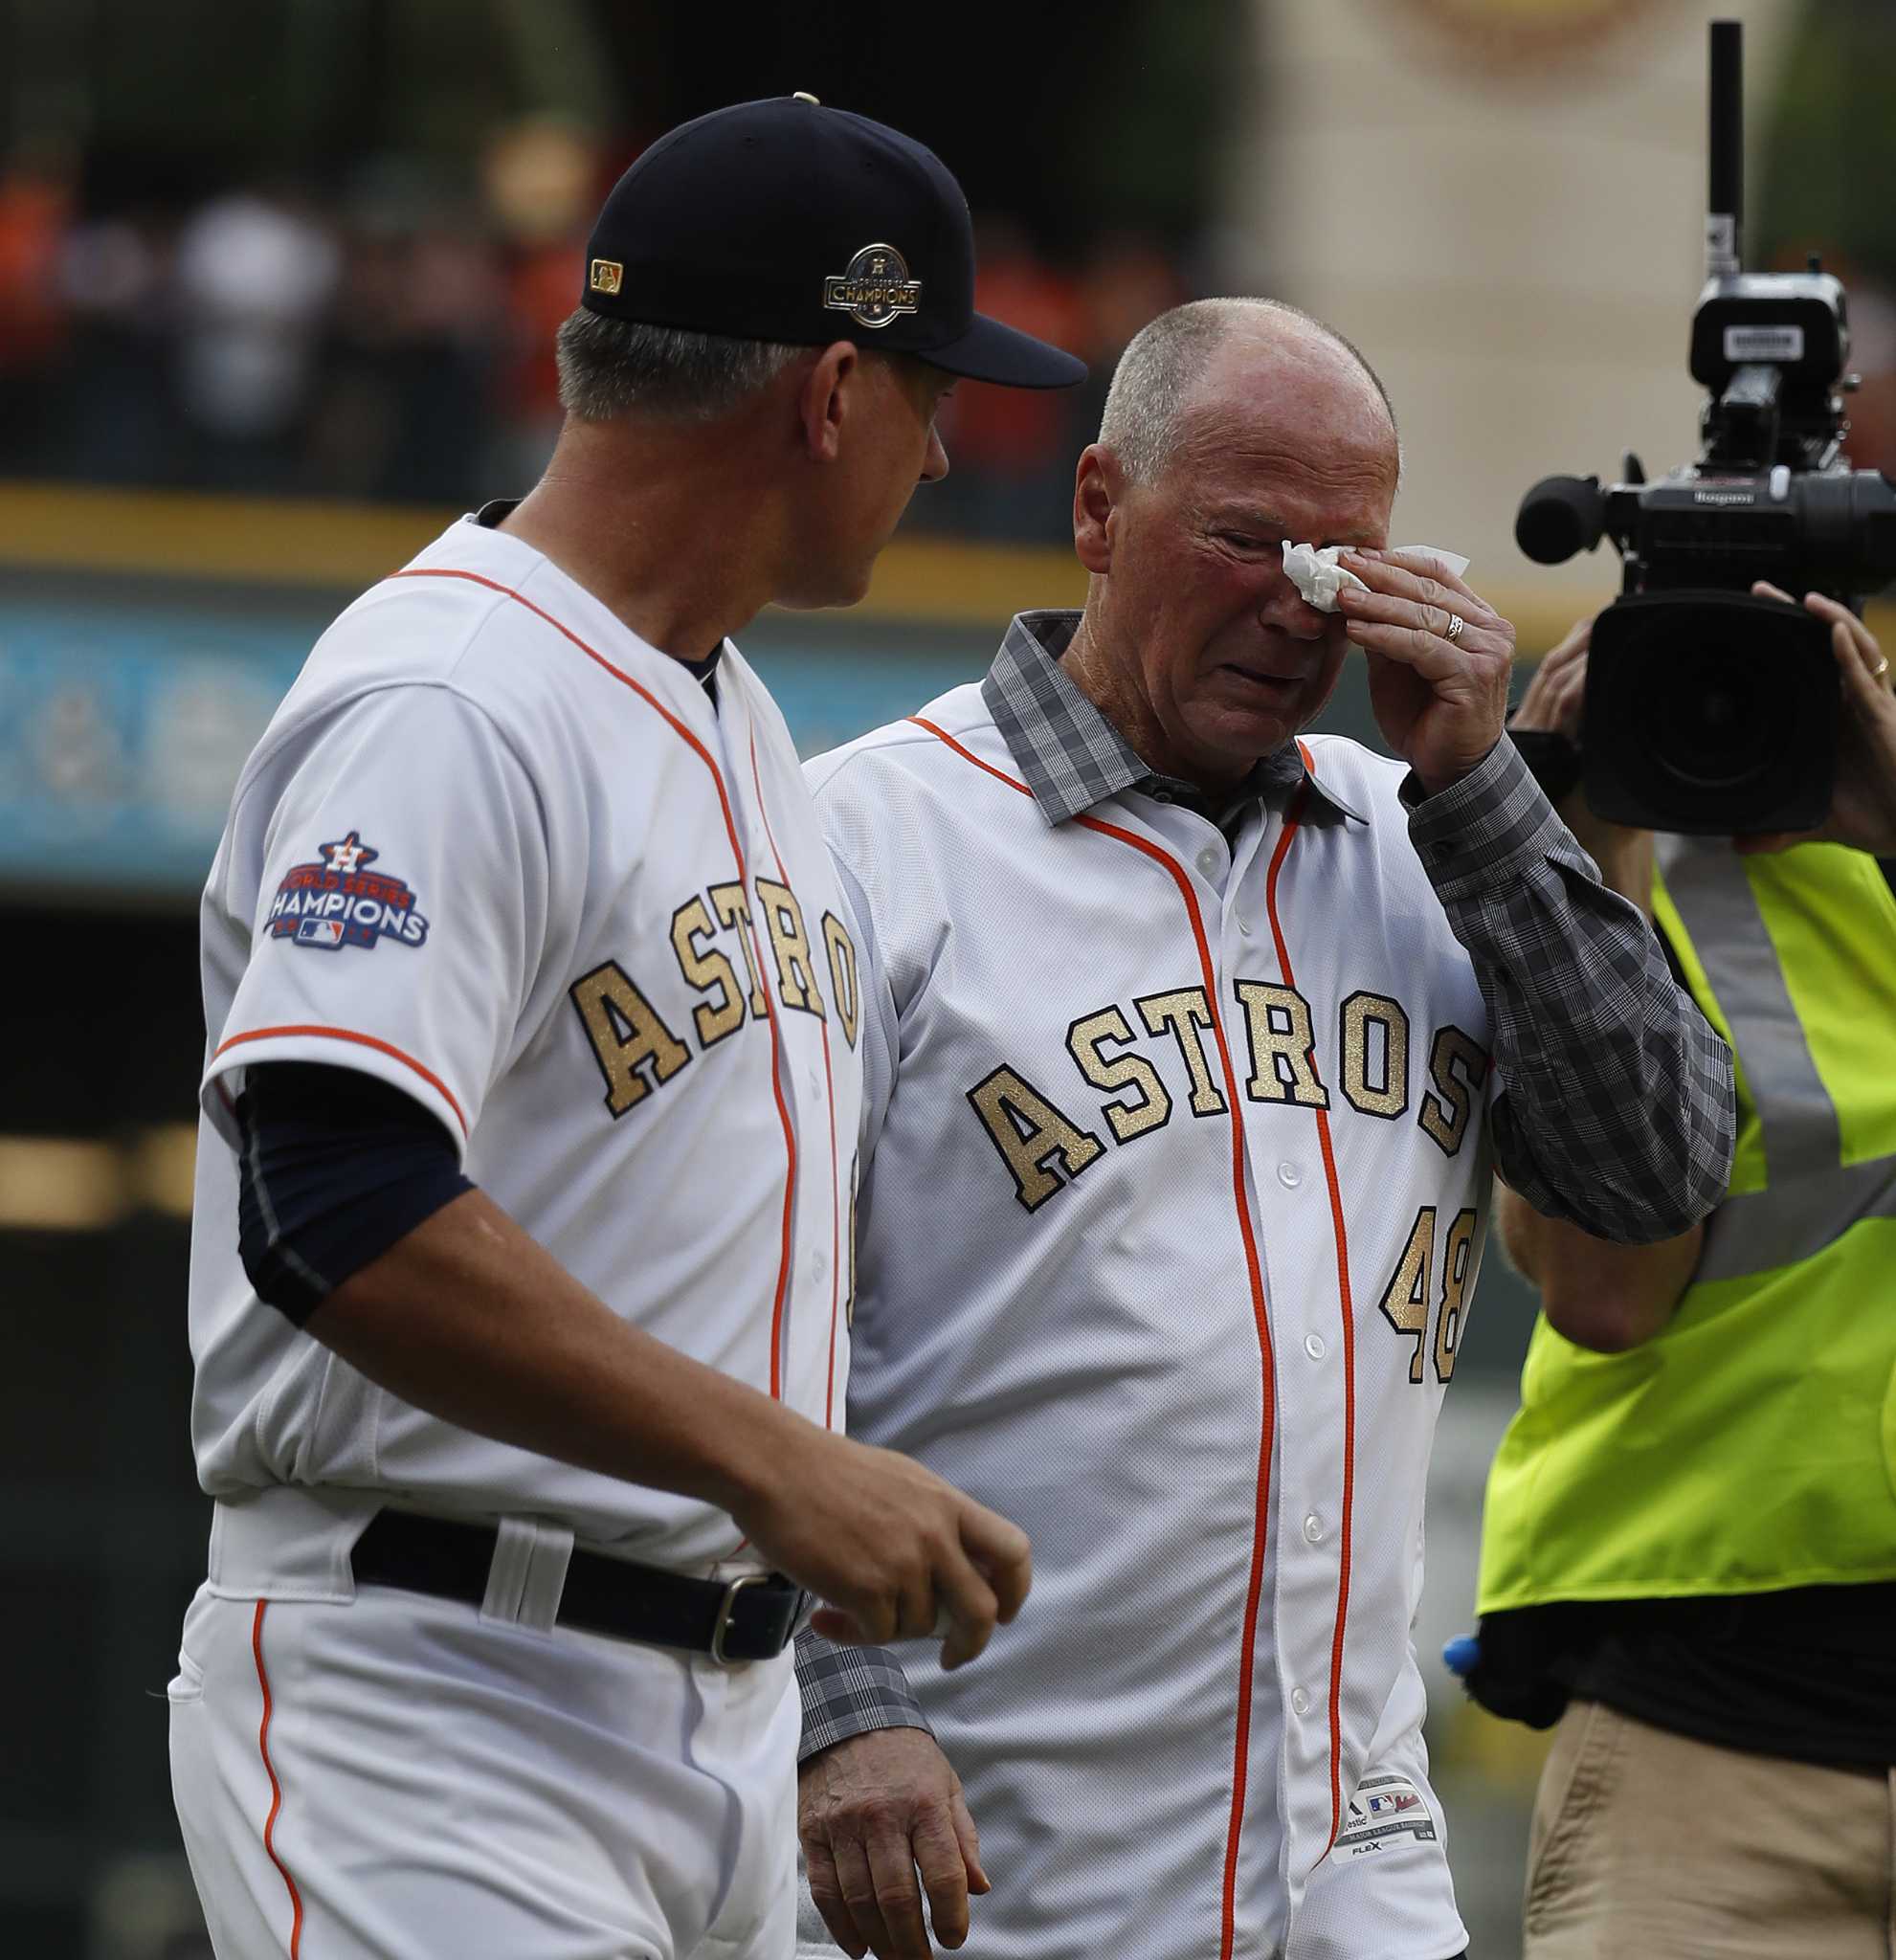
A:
[1751,1445]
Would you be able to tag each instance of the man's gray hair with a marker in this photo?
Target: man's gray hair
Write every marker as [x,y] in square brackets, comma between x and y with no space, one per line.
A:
[1155,376]
[610,367]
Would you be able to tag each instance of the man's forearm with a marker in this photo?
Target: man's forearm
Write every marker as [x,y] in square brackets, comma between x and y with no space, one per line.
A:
[1619,1113]
[1597,1294]
[468,1317]
[471,1319]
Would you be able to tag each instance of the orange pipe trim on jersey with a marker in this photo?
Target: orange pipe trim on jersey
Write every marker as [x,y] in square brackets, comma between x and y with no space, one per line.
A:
[374,1041]
[276,1789]
[1260,1315]
[703,755]
[783,1111]
[1340,1238]
[835,1230]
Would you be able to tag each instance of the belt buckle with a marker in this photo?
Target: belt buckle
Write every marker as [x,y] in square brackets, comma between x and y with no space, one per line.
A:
[727,1607]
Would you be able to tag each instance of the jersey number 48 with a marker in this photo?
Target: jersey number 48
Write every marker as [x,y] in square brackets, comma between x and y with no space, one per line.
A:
[1406,1298]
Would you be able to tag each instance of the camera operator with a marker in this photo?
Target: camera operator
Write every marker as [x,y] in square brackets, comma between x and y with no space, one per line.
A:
[1689,1542]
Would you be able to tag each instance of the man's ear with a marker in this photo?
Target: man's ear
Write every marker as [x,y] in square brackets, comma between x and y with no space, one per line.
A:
[1098,483]
[826,399]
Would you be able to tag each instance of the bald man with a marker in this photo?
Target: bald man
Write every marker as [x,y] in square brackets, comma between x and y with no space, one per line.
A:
[1190,1042]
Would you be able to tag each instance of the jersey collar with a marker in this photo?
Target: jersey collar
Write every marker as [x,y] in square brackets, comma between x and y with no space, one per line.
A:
[1072,757]
[496,510]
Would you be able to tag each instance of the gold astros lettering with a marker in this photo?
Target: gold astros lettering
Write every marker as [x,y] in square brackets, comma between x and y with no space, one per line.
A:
[1045,1146]
[639,1030]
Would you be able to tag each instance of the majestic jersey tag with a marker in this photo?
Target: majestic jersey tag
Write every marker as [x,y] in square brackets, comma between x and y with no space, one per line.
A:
[338,903]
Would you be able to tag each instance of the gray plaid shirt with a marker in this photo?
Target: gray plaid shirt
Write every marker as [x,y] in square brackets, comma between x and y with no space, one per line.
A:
[1618,1112]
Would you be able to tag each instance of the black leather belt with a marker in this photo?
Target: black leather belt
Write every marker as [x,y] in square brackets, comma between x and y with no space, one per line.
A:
[750,1617]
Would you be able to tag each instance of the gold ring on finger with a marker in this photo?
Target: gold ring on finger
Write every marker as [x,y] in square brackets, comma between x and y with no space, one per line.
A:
[1882,667]
[1455,626]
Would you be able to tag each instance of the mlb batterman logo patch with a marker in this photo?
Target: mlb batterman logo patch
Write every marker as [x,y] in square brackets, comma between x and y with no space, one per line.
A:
[875,288]
[1384,1809]
[607,275]
[338,903]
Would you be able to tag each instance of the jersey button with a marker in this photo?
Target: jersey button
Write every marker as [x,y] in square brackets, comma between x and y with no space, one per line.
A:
[1313,1346]
[1300,1700]
[1288,1175]
[1208,862]
[1313,1528]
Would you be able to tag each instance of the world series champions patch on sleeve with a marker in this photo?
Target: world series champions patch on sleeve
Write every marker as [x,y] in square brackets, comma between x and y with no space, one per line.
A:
[337,901]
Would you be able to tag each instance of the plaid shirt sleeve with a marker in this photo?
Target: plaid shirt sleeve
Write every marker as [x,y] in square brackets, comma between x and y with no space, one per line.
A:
[848,1690]
[1615,1108]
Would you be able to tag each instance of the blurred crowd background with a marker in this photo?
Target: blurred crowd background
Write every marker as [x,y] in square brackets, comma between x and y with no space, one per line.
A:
[320,246]
[279,281]
[391,337]
[321,249]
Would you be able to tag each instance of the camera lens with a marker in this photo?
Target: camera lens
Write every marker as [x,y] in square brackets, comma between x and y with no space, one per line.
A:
[1711,724]
[1710,712]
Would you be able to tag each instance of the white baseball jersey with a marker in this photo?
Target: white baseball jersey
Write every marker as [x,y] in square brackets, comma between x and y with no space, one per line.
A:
[1176,1173]
[496,851]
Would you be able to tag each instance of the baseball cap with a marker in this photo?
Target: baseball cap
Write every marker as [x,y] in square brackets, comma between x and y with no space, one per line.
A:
[784,220]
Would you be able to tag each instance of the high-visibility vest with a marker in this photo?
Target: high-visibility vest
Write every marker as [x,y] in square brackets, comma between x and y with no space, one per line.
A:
[1751,1445]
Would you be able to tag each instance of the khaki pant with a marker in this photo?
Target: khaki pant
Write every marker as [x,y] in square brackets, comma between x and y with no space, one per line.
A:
[1652,1846]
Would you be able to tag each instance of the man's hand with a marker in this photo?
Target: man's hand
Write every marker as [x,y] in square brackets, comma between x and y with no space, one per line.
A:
[1552,702]
[1439,702]
[1862,809]
[871,1811]
[896,1553]
[1557,686]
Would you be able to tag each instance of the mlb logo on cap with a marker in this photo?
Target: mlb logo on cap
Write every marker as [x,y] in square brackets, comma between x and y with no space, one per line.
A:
[607,274]
[319,932]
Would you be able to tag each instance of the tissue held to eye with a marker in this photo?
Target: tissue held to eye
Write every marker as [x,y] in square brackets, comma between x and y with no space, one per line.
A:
[1316,574]
[1318,577]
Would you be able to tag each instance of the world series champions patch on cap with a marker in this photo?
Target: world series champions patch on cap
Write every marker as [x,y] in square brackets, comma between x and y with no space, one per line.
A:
[783,220]
[875,288]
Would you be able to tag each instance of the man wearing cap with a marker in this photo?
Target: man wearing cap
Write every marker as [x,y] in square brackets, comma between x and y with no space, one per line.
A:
[520,1270]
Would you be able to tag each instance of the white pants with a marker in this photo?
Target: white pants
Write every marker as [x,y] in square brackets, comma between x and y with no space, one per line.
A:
[398,1776]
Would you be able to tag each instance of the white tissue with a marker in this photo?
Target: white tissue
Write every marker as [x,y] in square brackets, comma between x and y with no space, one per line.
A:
[1318,577]
[1316,574]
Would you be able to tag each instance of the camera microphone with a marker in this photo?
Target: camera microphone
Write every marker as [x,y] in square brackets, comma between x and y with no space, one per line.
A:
[1559,517]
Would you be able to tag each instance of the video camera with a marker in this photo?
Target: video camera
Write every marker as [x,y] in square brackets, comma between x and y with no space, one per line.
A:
[1708,710]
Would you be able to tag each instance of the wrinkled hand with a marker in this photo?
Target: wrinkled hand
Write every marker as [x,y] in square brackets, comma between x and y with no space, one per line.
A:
[896,1553]
[1552,702]
[871,1810]
[1557,686]
[1440,702]
[1863,807]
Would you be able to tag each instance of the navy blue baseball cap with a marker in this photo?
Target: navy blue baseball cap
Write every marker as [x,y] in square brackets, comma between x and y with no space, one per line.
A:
[784,220]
